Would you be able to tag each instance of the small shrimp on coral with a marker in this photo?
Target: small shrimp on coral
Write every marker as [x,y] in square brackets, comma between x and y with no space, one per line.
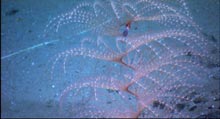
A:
[128,26]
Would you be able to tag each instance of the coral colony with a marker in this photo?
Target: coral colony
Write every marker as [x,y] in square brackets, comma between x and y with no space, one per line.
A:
[148,58]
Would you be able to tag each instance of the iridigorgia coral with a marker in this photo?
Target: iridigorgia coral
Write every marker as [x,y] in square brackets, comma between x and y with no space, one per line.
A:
[158,65]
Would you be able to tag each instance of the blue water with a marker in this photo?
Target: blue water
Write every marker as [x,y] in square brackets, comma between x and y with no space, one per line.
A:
[36,67]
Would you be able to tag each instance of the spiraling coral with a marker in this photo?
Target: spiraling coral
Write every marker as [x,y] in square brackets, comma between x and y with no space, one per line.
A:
[148,69]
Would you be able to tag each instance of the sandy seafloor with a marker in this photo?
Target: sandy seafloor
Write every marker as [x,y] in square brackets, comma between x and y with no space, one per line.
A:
[26,90]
